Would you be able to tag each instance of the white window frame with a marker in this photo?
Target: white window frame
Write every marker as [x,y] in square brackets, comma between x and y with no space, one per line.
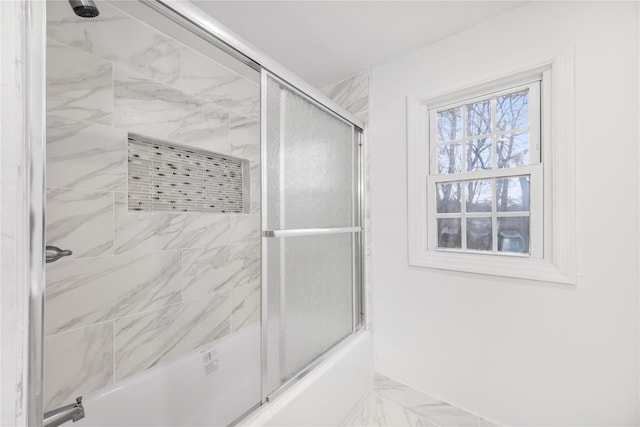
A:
[552,257]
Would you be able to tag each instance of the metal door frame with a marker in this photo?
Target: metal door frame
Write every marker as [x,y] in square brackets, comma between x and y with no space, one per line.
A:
[33,30]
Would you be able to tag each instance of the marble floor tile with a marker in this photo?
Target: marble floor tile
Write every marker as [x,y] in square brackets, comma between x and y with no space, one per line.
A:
[245,306]
[76,363]
[84,155]
[144,232]
[81,221]
[377,412]
[143,341]
[431,410]
[93,290]
[156,110]
[220,269]
[401,394]
[78,85]
[116,37]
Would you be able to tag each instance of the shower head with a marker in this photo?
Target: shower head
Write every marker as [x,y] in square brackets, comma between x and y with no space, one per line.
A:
[84,8]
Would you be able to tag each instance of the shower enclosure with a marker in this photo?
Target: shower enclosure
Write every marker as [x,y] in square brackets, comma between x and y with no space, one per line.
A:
[203,214]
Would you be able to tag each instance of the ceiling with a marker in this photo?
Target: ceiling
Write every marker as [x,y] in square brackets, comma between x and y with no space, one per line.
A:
[327,41]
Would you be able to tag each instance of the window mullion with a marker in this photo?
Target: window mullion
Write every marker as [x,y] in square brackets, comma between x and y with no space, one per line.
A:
[463,215]
[494,218]
[463,162]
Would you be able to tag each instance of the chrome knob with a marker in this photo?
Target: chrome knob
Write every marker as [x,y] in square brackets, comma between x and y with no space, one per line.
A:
[54,253]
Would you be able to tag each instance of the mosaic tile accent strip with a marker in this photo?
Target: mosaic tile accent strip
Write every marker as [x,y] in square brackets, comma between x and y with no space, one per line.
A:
[167,177]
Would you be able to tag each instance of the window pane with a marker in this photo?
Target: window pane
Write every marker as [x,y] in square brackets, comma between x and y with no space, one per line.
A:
[448,195]
[449,235]
[513,234]
[512,194]
[513,149]
[479,154]
[479,118]
[450,158]
[512,111]
[450,124]
[479,234]
[479,196]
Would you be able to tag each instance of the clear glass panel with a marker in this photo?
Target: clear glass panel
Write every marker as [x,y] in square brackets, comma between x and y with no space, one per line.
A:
[512,111]
[449,233]
[449,158]
[512,149]
[450,124]
[513,234]
[512,194]
[479,118]
[316,299]
[479,196]
[448,197]
[479,154]
[479,236]
[149,293]
[310,164]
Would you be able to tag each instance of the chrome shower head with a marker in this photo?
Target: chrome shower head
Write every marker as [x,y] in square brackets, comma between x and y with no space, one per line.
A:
[84,8]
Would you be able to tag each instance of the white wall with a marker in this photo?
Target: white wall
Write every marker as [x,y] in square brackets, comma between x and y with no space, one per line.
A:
[520,352]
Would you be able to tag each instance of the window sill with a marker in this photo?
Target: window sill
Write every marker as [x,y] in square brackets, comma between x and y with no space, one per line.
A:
[519,267]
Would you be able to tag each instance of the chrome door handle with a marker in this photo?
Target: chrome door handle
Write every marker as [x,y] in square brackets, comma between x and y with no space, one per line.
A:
[72,412]
[54,253]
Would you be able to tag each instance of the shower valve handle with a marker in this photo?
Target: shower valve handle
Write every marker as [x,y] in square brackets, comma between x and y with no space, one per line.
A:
[54,253]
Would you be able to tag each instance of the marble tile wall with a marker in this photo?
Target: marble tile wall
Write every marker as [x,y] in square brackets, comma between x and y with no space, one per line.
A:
[353,95]
[396,404]
[140,288]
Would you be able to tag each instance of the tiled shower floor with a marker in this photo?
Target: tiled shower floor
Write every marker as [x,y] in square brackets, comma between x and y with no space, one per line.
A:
[395,404]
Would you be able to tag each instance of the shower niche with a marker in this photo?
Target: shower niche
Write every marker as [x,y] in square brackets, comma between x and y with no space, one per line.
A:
[168,177]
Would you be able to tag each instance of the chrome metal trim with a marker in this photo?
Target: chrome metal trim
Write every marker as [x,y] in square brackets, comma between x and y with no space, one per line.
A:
[336,348]
[263,213]
[310,99]
[216,39]
[309,232]
[226,39]
[34,49]
[359,286]
[71,412]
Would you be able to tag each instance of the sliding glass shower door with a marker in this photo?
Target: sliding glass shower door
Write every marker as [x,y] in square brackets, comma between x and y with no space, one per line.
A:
[311,231]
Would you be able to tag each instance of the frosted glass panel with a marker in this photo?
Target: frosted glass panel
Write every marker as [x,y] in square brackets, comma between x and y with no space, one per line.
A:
[316,300]
[310,164]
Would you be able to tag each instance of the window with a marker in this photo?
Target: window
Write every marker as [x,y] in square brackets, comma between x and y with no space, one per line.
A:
[491,175]
[485,173]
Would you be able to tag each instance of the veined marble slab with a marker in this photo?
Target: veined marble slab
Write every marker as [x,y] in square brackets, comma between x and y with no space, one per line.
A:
[352,94]
[220,269]
[76,363]
[145,340]
[118,38]
[84,155]
[206,78]
[246,227]
[153,109]
[93,290]
[78,85]
[245,306]
[81,221]
[144,232]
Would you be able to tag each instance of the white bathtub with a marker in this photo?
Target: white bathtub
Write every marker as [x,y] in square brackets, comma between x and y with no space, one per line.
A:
[184,393]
